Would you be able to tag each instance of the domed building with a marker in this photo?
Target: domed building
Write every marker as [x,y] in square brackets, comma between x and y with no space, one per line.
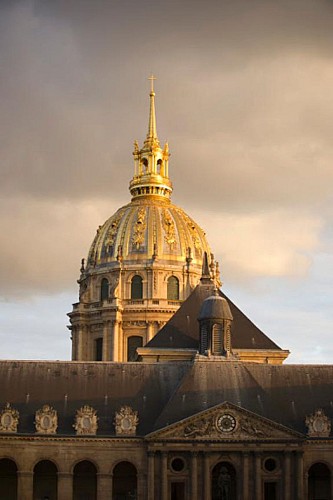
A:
[207,411]
[144,261]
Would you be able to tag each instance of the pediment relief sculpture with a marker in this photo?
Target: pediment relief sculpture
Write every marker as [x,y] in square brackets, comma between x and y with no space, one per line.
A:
[126,421]
[9,418]
[225,422]
[318,424]
[46,420]
[86,421]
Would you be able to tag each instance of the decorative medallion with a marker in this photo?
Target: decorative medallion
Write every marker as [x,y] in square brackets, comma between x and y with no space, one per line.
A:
[9,418]
[318,424]
[225,423]
[86,420]
[126,421]
[169,228]
[139,228]
[46,420]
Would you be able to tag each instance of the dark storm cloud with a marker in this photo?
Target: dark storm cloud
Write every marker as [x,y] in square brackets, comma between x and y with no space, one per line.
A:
[243,96]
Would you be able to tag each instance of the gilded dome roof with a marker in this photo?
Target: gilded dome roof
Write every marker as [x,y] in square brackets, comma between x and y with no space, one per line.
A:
[150,226]
[146,229]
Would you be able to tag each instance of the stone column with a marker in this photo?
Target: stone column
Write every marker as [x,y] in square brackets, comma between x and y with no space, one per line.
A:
[286,473]
[245,476]
[194,476]
[65,485]
[164,475]
[25,485]
[258,486]
[151,476]
[300,478]
[106,341]
[104,487]
[207,478]
[150,331]
[115,340]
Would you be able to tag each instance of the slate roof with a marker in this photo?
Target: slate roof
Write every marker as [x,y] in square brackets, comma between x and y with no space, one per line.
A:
[182,330]
[164,393]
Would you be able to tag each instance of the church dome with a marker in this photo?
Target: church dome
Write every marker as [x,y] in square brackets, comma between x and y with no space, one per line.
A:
[150,227]
[145,260]
[145,229]
[215,307]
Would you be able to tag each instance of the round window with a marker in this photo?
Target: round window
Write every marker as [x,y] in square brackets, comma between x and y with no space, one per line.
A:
[270,464]
[177,464]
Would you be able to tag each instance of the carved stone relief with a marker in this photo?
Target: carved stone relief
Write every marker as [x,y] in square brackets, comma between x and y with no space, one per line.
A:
[46,420]
[86,421]
[9,418]
[226,423]
[126,421]
[318,424]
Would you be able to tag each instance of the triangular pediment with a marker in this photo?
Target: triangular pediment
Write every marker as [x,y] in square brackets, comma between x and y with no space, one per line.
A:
[225,421]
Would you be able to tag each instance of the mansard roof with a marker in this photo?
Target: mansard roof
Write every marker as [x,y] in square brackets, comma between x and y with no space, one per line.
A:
[164,393]
[182,330]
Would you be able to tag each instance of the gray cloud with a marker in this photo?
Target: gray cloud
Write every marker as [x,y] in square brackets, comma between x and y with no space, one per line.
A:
[242,97]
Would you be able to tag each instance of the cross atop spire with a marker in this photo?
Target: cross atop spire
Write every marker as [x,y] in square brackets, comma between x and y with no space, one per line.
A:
[152,78]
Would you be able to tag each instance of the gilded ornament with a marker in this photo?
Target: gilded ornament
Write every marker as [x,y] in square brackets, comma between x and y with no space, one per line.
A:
[318,424]
[126,421]
[46,420]
[86,421]
[9,418]
[112,233]
[139,228]
[169,228]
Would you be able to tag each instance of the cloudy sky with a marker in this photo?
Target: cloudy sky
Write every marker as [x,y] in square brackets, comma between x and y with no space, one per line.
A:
[244,97]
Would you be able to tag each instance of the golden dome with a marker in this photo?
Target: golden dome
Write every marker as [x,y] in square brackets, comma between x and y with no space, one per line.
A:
[146,229]
[150,227]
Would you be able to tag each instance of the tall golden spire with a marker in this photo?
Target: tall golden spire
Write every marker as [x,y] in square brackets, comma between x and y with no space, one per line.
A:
[152,134]
[151,162]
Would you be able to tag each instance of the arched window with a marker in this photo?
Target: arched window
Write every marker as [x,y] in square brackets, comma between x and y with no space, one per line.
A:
[223,481]
[45,480]
[132,344]
[124,481]
[319,482]
[8,478]
[104,289]
[136,287]
[173,288]
[159,167]
[84,481]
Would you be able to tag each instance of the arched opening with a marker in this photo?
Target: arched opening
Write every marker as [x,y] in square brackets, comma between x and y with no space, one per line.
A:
[173,288]
[217,339]
[45,480]
[223,482]
[124,482]
[99,349]
[84,481]
[136,287]
[319,482]
[104,289]
[159,167]
[145,165]
[133,343]
[8,479]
